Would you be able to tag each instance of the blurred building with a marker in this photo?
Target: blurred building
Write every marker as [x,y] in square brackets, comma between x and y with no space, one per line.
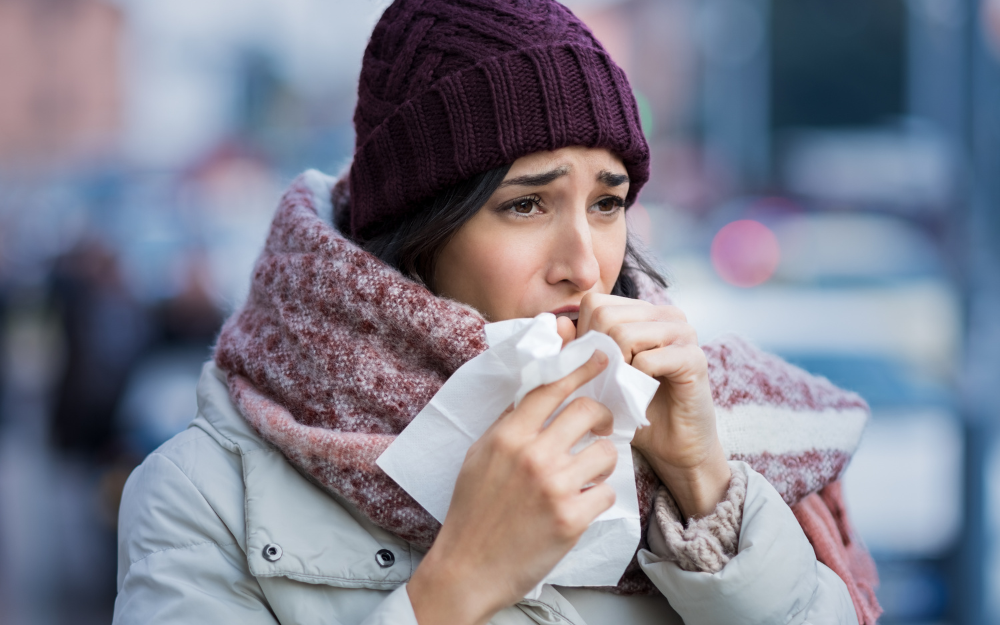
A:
[59,63]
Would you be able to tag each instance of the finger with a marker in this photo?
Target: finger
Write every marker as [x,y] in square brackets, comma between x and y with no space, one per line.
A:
[592,502]
[582,415]
[639,336]
[605,317]
[539,404]
[593,301]
[594,464]
[676,363]
[566,329]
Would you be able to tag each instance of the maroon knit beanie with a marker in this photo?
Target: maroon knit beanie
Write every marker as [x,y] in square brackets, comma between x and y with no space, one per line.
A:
[452,88]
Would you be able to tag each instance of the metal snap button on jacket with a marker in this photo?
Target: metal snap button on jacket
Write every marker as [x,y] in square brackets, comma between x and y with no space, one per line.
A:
[272,552]
[385,558]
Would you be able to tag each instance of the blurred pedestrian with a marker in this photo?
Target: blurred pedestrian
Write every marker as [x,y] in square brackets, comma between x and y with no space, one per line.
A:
[191,318]
[498,147]
[105,330]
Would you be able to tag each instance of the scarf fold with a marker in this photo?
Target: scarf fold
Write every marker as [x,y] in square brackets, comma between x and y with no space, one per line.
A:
[334,352]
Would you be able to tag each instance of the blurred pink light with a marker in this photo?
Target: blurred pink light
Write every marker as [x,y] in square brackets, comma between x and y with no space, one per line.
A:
[745,253]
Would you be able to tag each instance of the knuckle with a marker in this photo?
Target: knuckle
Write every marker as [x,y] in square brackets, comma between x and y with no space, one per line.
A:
[600,316]
[552,489]
[566,524]
[676,314]
[619,333]
[586,405]
[690,333]
[532,463]
[698,356]
[503,442]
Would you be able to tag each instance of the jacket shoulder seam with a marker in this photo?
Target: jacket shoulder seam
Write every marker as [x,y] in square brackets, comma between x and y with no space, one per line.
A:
[163,450]
[207,423]
[182,547]
[203,498]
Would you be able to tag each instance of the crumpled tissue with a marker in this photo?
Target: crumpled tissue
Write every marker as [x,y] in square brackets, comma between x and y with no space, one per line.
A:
[426,457]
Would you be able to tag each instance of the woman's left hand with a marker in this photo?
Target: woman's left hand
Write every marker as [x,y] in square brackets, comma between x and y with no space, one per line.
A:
[681,442]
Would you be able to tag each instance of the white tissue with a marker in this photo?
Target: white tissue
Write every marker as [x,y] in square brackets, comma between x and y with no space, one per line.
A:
[426,457]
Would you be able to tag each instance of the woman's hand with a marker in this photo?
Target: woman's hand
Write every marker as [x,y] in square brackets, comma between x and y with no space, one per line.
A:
[681,442]
[519,504]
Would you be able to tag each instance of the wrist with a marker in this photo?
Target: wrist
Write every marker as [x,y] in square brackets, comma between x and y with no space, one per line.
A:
[441,593]
[698,489]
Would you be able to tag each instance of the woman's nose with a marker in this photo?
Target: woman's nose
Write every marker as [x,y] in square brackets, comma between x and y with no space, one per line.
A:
[572,256]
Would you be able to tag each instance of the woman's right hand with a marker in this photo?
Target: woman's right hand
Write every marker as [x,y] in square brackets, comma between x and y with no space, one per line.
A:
[519,504]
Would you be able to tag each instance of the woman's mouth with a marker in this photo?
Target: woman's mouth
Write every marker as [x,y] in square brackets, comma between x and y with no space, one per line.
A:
[572,315]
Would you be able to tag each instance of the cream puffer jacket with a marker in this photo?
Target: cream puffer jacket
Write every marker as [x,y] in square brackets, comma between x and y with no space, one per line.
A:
[217,527]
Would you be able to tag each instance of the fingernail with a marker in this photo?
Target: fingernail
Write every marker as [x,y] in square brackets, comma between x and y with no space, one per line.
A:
[600,356]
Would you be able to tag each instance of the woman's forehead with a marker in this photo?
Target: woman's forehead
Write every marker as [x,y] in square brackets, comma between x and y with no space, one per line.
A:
[565,161]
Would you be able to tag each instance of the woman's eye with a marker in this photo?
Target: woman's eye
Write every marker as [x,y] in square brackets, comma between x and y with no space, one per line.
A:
[524,206]
[609,204]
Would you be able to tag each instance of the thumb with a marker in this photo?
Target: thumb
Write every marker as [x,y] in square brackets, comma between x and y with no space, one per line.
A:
[567,331]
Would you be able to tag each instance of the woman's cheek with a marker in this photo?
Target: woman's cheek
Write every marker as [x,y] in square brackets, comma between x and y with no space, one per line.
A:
[477,269]
[513,278]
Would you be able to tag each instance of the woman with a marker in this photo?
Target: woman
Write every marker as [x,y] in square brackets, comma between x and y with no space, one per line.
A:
[498,147]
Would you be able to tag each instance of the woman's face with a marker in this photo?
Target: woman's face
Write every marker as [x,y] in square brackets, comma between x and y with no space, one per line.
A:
[553,231]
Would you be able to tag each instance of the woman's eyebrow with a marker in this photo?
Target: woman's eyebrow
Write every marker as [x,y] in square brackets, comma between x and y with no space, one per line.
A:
[609,179]
[536,180]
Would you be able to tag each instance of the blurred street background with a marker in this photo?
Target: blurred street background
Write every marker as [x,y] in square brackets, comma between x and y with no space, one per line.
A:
[826,182]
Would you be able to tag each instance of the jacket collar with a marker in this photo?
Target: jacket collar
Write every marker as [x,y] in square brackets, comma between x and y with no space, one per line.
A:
[320,537]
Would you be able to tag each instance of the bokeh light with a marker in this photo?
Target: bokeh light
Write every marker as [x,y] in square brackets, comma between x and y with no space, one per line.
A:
[745,253]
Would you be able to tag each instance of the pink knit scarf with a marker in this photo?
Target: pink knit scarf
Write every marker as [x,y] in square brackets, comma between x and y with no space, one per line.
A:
[334,352]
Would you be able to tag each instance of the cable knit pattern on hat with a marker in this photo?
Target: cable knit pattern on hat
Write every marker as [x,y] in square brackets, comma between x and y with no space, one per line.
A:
[334,353]
[706,544]
[452,89]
